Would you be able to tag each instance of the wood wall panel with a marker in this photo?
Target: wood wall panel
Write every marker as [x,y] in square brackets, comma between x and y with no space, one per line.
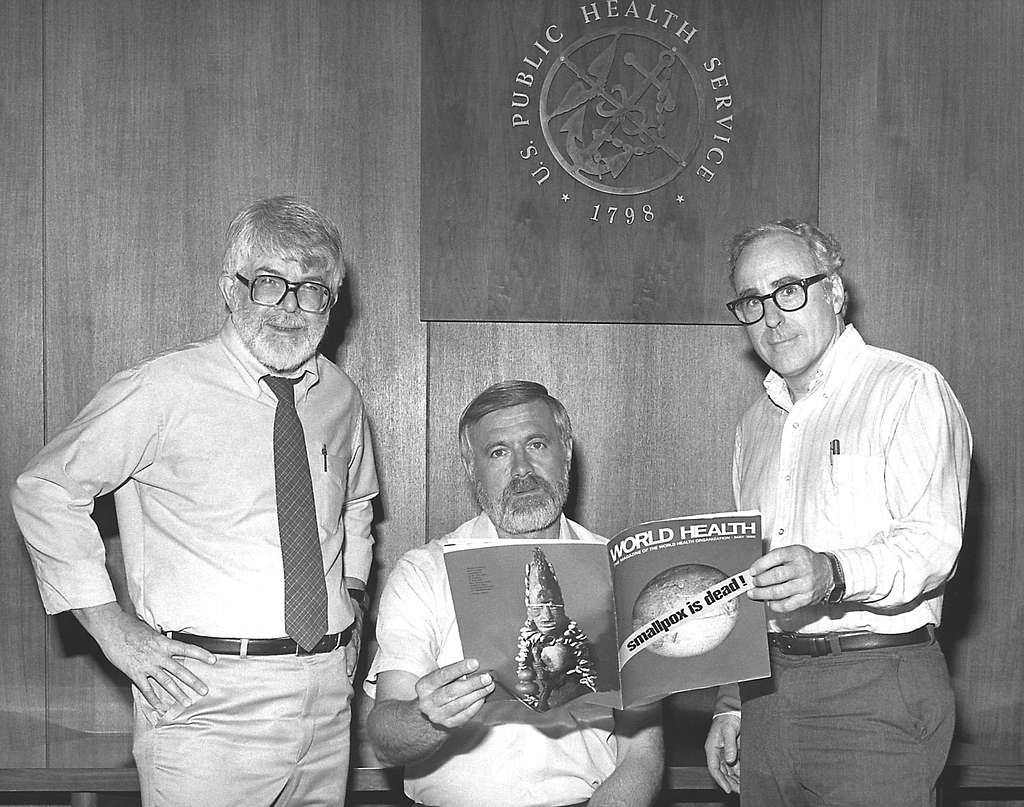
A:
[163,119]
[498,247]
[921,177]
[22,626]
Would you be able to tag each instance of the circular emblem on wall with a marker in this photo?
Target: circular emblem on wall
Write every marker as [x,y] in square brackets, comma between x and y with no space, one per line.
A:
[621,112]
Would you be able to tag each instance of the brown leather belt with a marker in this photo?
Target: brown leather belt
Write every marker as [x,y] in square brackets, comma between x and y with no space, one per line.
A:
[824,644]
[262,647]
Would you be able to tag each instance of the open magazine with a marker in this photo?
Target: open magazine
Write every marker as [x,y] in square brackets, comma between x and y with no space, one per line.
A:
[658,609]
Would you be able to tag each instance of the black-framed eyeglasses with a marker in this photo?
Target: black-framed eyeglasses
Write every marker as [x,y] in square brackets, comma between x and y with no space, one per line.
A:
[267,289]
[790,297]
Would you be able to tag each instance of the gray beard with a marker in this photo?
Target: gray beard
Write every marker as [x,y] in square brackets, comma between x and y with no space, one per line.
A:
[517,515]
[276,353]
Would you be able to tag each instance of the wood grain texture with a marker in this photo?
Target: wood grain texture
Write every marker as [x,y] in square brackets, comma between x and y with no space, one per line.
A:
[163,119]
[922,162]
[496,246]
[23,626]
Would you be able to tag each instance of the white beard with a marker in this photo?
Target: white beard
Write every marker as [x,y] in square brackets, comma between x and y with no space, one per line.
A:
[277,351]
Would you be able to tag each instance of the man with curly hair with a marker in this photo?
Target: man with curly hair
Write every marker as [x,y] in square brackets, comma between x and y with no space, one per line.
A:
[432,712]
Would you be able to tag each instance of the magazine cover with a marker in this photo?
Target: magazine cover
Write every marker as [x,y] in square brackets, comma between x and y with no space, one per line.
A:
[683,621]
[658,609]
[539,615]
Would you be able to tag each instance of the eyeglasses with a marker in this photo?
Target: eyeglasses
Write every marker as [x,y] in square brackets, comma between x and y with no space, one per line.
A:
[790,297]
[536,610]
[314,298]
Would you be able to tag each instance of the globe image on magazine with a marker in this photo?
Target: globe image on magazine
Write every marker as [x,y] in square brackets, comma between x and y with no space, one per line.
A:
[672,589]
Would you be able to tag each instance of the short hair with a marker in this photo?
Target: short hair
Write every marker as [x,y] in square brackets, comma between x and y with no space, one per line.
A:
[823,247]
[505,394]
[287,227]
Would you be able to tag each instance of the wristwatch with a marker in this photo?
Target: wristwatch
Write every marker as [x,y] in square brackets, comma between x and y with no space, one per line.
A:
[835,592]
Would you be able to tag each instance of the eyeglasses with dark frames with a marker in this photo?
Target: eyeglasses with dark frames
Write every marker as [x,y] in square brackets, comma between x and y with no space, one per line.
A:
[268,289]
[788,297]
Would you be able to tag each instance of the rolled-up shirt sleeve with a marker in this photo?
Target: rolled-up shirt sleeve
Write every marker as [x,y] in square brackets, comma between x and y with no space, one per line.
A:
[358,512]
[113,437]
[412,623]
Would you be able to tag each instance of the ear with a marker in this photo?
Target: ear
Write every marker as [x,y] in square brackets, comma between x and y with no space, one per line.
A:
[466,454]
[838,293]
[227,285]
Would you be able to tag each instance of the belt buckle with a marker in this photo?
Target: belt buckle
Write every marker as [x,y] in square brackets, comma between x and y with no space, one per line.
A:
[822,646]
[827,645]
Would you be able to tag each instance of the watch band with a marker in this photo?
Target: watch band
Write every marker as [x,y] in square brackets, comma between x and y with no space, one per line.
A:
[837,591]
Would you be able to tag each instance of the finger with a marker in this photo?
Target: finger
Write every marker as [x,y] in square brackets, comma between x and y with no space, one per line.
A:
[187,677]
[717,771]
[150,695]
[166,686]
[446,675]
[776,557]
[464,691]
[780,591]
[182,650]
[453,705]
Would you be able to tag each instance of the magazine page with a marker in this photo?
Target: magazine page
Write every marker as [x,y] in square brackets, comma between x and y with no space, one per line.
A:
[684,620]
[539,615]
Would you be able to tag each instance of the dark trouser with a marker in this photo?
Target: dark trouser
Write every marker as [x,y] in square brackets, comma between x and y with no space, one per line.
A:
[859,729]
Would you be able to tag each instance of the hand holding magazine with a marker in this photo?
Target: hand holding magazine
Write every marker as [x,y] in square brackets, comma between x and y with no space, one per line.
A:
[658,609]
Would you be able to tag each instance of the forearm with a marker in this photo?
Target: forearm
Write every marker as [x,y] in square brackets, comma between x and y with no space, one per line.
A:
[105,623]
[402,734]
[637,778]
[640,761]
[727,699]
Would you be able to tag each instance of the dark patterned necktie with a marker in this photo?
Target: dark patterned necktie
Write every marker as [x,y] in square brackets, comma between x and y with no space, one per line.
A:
[305,591]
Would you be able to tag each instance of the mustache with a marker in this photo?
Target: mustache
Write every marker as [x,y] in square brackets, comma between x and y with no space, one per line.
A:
[286,322]
[525,484]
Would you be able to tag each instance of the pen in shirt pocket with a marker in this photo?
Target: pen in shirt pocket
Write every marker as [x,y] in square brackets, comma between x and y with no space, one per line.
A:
[324,452]
[833,451]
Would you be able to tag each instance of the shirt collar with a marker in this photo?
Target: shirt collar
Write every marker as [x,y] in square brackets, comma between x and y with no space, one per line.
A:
[842,351]
[251,371]
[484,529]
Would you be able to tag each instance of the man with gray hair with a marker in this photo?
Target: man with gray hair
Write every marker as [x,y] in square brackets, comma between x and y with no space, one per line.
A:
[431,712]
[858,459]
[243,476]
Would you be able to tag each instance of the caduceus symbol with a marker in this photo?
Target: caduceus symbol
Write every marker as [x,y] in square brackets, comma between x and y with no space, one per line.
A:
[625,114]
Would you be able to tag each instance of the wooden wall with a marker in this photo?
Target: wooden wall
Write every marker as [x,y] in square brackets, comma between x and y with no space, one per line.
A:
[922,169]
[133,130]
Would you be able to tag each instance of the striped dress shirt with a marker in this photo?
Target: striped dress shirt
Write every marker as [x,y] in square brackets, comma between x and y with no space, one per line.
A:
[872,465]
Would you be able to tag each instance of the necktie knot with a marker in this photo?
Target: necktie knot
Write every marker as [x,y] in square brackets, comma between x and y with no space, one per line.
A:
[283,388]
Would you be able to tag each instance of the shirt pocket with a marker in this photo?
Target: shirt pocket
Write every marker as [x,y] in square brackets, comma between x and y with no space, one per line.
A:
[330,486]
[858,483]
